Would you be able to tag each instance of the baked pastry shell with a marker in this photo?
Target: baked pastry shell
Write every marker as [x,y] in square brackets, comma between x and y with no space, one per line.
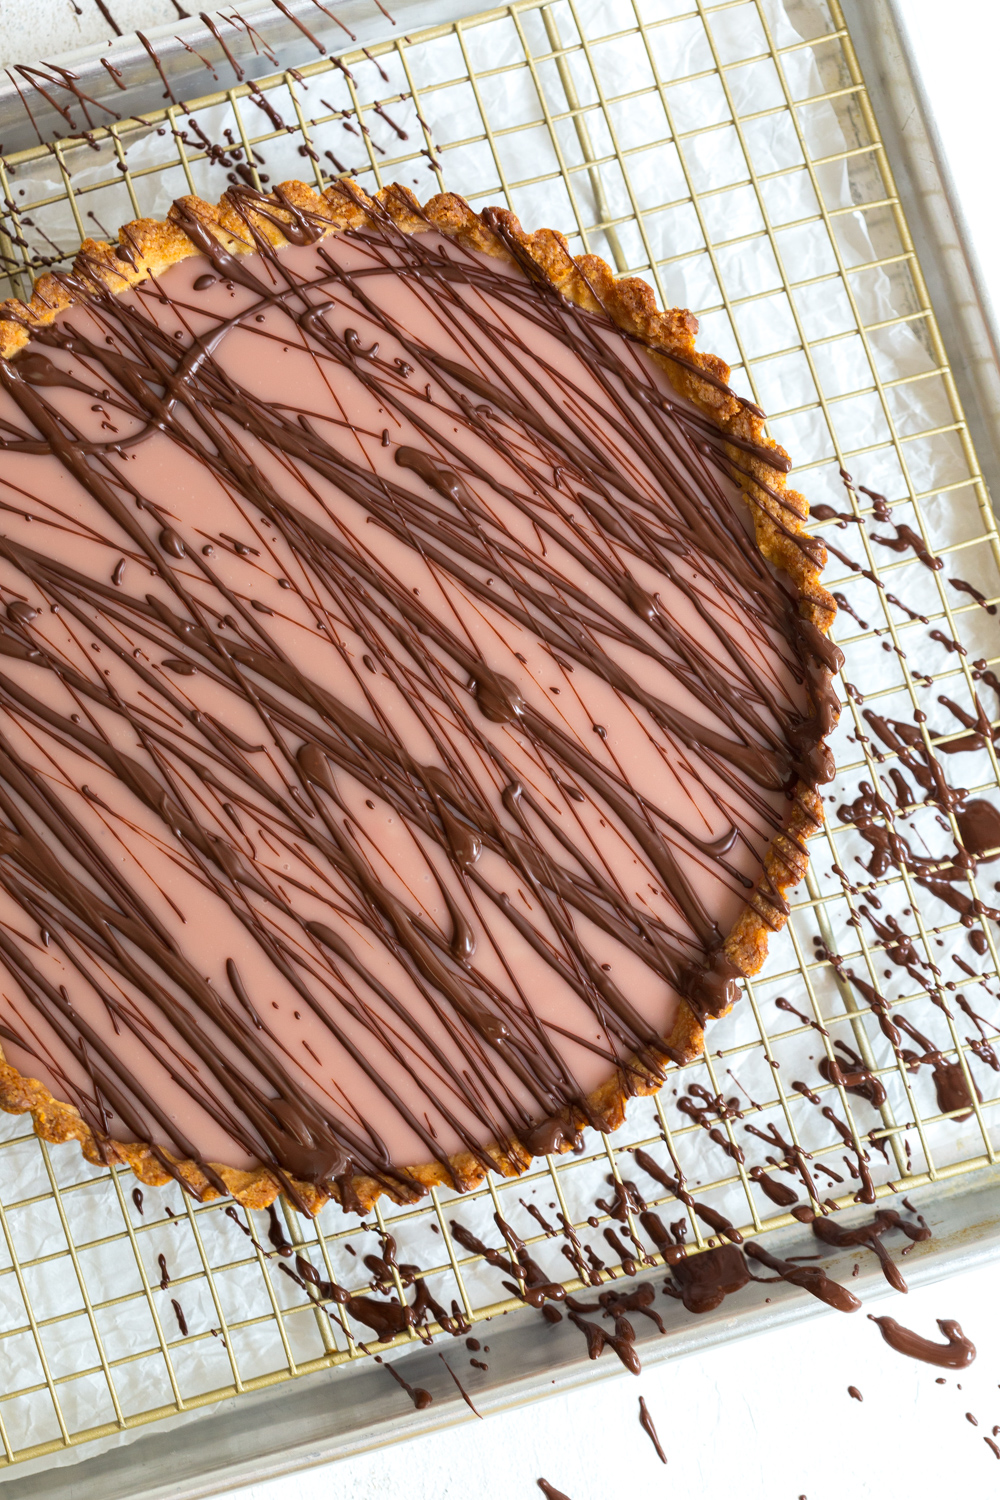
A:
[149,247]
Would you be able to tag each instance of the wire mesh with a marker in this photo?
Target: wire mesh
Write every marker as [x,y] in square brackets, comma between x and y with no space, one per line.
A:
[728,153]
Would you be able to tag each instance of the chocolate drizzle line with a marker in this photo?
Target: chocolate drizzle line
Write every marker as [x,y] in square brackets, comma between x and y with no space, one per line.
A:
[461,1388]
[955,1354]
[502,1077]
[646,1422]
[421,1399]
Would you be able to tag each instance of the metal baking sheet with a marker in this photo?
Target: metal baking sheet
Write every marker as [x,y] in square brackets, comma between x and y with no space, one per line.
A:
[337,1413]
[731,154]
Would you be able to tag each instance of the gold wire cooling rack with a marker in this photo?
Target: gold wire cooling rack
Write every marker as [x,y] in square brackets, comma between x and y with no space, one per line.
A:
[729,153]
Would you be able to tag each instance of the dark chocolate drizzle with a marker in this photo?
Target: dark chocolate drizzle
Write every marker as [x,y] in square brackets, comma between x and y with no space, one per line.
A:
[956,1354]
[646,1423]
[706,1279]
[421,1398]
[502,1075]
[870,1233]
[812,1279]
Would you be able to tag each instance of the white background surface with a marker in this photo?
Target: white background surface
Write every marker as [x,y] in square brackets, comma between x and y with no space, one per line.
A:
[771,1420]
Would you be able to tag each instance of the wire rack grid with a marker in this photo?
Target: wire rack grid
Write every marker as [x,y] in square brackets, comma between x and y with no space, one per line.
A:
[729,153]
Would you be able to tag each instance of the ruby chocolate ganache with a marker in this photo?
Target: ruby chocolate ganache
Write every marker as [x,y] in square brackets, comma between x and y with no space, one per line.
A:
[414,689]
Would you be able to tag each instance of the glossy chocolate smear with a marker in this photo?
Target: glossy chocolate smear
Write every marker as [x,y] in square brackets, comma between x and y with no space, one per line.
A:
[395,707]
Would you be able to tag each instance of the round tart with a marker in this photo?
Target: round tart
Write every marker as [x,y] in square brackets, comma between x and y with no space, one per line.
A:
[414,690]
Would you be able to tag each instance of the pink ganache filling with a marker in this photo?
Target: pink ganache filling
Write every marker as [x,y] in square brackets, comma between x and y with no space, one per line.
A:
[396,709]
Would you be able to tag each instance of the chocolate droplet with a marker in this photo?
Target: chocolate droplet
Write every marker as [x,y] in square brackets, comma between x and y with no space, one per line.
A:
[171,543]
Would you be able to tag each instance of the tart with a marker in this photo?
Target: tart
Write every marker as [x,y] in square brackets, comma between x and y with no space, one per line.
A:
[414,686]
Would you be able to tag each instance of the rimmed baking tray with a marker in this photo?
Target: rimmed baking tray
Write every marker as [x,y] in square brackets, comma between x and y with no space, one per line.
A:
[733,155]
